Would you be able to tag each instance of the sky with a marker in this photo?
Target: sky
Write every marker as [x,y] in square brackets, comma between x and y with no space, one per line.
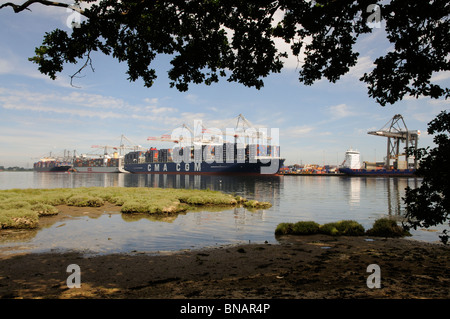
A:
[316,124]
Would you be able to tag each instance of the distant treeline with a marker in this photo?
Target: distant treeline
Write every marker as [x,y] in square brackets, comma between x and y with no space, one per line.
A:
[15,168]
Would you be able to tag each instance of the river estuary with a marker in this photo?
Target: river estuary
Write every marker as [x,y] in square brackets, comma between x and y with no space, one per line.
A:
[321,199]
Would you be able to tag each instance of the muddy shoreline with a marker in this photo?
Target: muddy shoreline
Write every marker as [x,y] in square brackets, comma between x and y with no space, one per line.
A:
[299,267]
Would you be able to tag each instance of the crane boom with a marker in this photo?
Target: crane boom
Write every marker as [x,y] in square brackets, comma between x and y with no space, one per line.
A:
[122,146]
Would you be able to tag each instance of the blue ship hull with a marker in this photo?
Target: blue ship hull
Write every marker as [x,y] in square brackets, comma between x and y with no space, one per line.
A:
[199,168]
[377,172]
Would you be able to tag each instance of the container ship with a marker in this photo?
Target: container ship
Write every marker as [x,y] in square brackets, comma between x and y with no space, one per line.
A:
[209,155]
[102,164]
[192,160]
[111,161]
[352,167]
[50,164]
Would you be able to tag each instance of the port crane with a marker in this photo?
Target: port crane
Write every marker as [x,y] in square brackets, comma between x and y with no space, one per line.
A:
[122,146]
[396,132]
[181,139]
[51,157]
[243,129]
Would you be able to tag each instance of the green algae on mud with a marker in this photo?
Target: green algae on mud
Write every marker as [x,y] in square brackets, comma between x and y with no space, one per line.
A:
[383,227]
[21,208]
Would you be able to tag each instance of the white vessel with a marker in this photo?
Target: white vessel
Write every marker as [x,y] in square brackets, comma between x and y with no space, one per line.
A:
[352,159]
[352,167]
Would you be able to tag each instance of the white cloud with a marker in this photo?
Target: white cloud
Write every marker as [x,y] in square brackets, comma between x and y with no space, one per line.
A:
[91,106]
[78,104]
[5,66]
[192,98]
[439,103]
[11,64]
[422,117]
[297,131]
[413,98]
[159,110]
[59,110]
[93,100]
[440,76]
[152,101]
[340,111]
[292,61]
[364,65]
[212,108]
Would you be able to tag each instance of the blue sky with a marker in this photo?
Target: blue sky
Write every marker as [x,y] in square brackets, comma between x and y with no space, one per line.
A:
[317,123]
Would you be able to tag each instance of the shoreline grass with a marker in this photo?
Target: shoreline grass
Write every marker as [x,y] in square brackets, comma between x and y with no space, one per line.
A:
[21,208]
[383,227]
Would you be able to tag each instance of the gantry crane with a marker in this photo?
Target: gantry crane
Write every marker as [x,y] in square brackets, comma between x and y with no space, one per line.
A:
[243,129]
[121,147]
[397,132]
[181,139]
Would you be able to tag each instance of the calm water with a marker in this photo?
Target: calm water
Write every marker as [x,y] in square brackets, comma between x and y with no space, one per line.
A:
[319,198]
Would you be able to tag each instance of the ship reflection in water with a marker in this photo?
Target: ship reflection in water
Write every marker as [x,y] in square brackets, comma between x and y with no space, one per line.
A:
[392,188]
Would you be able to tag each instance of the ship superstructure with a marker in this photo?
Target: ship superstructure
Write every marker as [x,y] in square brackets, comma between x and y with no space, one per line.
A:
[352,159]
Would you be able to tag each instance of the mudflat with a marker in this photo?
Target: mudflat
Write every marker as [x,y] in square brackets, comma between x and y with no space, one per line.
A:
[299,267]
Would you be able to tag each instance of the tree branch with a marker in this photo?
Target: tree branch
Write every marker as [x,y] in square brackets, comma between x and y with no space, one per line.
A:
[87,63]
[18,8]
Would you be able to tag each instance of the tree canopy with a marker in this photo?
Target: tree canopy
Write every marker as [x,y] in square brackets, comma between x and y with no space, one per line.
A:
[213,39]
[429,204]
